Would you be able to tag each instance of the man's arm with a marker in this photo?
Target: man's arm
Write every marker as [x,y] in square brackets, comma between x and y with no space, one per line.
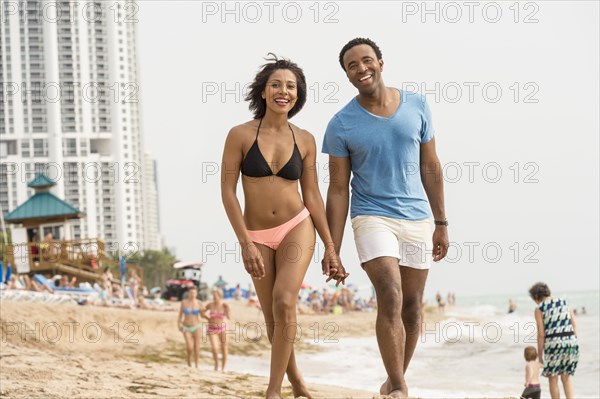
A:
[338,198]
[433,182]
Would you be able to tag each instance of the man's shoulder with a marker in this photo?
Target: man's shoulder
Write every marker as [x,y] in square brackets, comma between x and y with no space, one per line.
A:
[413,98]
[346,111]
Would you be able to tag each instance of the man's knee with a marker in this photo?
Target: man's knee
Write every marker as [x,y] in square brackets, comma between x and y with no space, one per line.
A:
[389,301]
[411,312]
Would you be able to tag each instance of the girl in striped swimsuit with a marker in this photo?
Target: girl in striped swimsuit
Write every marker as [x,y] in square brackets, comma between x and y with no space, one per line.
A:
[218,312]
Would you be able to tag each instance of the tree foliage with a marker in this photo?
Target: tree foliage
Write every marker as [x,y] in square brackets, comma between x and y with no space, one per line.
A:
[157,266]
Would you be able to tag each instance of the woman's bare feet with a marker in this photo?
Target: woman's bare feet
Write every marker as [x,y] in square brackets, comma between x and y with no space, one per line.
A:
[299,390]
[273,395]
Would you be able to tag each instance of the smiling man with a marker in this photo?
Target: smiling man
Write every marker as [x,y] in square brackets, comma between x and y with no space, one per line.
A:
[384,138]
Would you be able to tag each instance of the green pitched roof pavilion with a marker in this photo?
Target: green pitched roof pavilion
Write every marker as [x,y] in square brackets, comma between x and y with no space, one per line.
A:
[43,206]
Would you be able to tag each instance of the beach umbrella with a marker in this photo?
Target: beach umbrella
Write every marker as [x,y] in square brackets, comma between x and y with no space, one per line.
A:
[8,273]
[122,266]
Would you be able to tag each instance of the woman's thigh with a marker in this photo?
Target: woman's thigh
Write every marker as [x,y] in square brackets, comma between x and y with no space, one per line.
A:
[293,257]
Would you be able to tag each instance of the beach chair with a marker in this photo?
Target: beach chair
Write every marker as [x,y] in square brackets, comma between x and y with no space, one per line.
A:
[79,294]
[44,281]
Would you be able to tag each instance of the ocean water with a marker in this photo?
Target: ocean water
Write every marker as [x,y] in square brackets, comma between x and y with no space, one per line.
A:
[476,352]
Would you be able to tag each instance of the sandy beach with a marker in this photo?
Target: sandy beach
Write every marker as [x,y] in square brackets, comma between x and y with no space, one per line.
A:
[82,351]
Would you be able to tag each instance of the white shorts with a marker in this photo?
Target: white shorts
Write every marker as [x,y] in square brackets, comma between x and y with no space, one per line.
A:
[410,241]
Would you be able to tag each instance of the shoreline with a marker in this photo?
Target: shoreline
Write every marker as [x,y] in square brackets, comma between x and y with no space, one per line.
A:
[84,351]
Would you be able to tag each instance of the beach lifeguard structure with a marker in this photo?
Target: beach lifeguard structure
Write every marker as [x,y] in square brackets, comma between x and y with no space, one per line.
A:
[42,238]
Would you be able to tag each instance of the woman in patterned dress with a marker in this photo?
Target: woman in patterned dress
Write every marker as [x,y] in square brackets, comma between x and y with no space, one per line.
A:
[558,349]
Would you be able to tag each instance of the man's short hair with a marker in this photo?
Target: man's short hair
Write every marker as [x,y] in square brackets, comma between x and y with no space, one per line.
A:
[356,42]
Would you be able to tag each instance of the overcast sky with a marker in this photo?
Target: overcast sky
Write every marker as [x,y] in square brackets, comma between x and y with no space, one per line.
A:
[514,96]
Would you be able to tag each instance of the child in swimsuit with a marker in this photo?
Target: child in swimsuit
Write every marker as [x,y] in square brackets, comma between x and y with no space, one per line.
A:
[189,324]
[533,388]
[218,312]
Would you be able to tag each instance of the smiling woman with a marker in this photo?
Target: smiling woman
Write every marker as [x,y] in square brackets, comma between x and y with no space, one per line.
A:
[274,156]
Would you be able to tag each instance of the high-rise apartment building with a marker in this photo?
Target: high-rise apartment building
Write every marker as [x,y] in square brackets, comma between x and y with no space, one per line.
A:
[151,220]
[70,108]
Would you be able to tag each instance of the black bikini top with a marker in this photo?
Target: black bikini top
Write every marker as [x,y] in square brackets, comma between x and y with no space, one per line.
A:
[255,165]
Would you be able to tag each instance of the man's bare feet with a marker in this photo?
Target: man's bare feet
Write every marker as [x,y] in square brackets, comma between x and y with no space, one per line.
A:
[386,387]
[397,394]
[388,391]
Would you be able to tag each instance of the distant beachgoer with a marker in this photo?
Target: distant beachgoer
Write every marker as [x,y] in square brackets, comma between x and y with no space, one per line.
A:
[189,323]
[583,311]
[35,248]
[315,301]
[15,284]
[134,283]
[117,291]
[327,302]
[66,283]
[142,304]
[33,285]
[345,300]
[558,348]
[449,299]
[533,367]
[372,303]
[511,306]
[50,249]
[440,302]
[237,293]
[107,278]
[218,312]
[253,299]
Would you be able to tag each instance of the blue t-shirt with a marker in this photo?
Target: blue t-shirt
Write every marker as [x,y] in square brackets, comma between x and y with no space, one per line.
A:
[384,156]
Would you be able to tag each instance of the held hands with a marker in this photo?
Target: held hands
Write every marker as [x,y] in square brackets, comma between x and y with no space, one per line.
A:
[253,261]
[333,268]
[440,243]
